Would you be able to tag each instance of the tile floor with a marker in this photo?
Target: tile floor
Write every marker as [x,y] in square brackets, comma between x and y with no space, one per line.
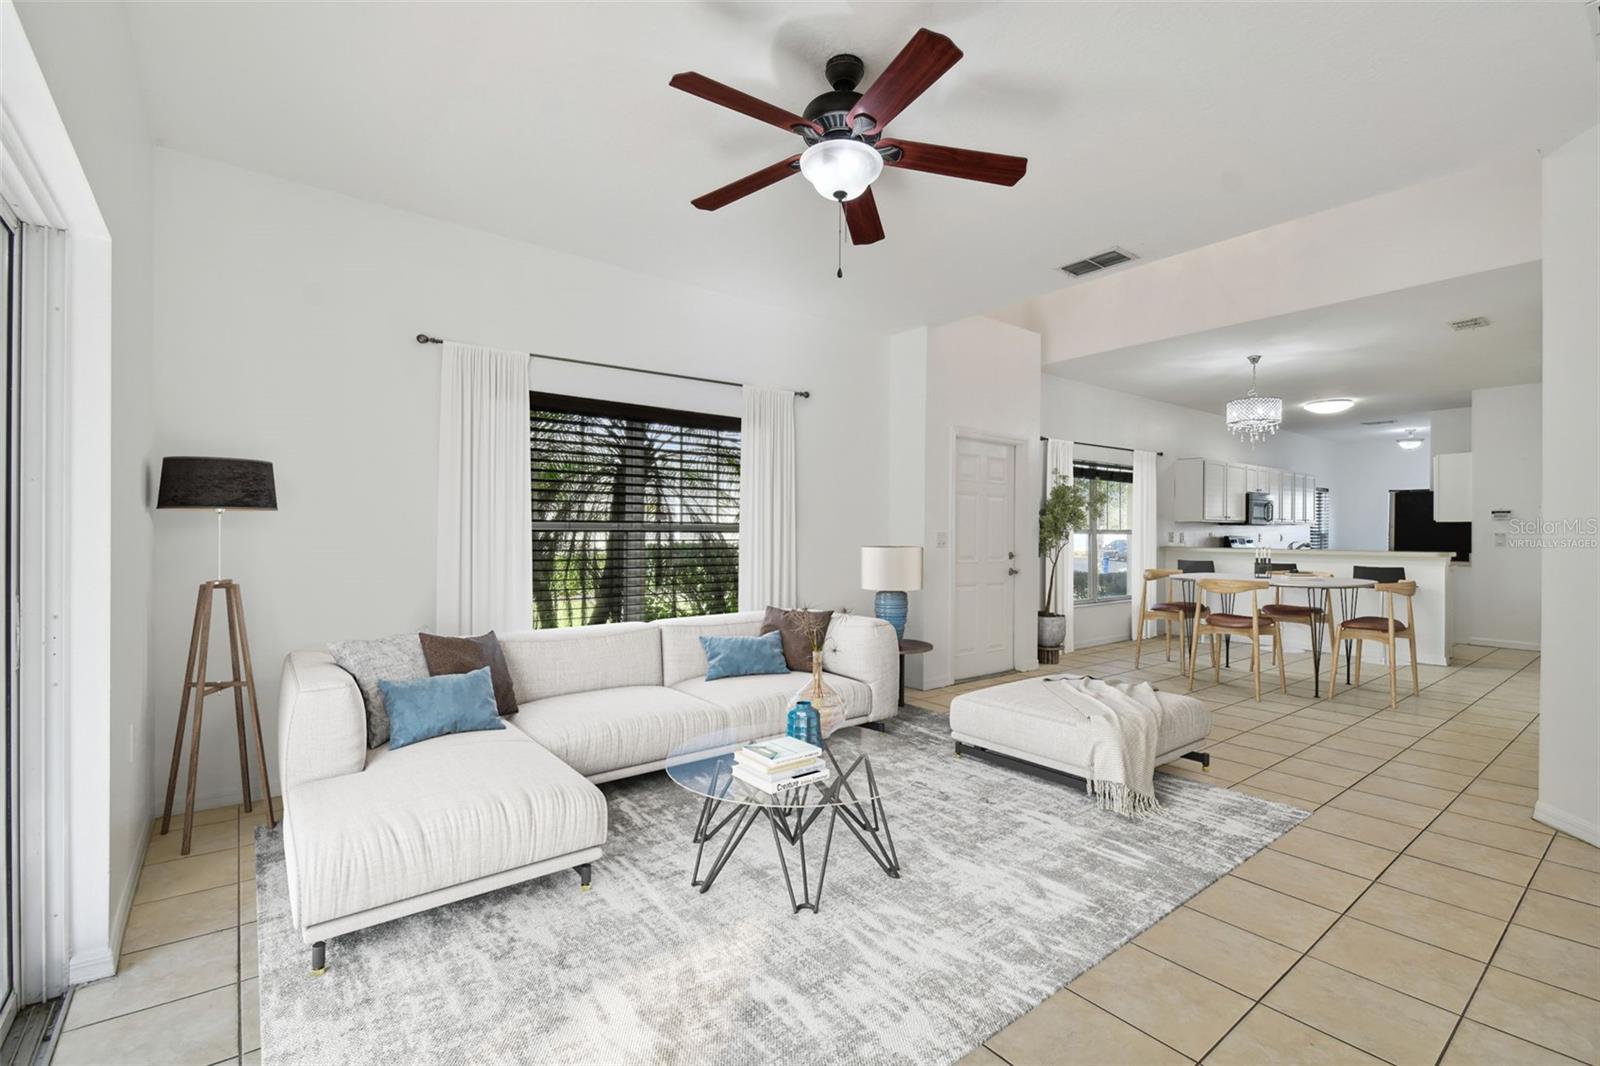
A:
[1419,915]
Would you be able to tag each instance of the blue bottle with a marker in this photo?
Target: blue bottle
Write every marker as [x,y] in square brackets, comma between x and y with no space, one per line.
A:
[804,723]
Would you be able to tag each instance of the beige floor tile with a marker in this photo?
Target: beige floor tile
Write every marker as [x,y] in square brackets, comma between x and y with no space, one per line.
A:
[1266,912]
[199,1030]
[250,1014]
[1438,762]
[1440,977]
[214,836]
[1497,899]
[158,975]
[1512,776]
[1538,1013]
[1561,916]
[253,1058]
[247,901]
[1341,853]
[182,876]
[1476,1044]
[1423,775]
[1406,792]
[978,1056]
[1504,837]
[1570,852]
[1275,745]
[1067,1029]
[1504,793]
[1553,960]
[249,957]
[1394,810]
[247,863]
[1275,797]
[205,817]
[1421,918]
[1265,1036]
[1248,756]
[1181,1009]
[1495,811]
[1293,785]
[1568,881]
[1302,879]
[1319,771]
[180,917]
[1505,866]
[1228,955]
[1362,827]
[1376,1019]
[1349,760]
[1360,747]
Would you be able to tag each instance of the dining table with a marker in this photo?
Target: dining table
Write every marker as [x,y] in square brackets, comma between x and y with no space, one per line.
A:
[1347,588]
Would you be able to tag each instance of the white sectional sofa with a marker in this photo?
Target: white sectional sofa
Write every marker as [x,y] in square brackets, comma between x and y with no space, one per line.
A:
[372,835]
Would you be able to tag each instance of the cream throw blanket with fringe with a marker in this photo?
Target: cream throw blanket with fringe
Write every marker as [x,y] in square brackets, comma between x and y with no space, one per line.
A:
[1122,720]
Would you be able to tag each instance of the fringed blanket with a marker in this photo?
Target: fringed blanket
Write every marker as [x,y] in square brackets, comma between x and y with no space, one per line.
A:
[1122,720]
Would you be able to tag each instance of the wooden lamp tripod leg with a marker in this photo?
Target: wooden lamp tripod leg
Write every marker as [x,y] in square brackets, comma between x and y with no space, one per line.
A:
[199,706]
[255,707]
[183,712]
[237,683]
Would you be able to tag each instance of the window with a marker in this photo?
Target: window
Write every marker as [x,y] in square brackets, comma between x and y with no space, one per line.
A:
[1100,553]
[1321,520]
[635,512]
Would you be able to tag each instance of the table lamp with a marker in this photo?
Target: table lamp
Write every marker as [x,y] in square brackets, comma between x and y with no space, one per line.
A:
[208,483]
[892,571]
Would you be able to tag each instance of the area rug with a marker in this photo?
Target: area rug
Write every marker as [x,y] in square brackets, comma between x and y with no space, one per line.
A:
[1011,887]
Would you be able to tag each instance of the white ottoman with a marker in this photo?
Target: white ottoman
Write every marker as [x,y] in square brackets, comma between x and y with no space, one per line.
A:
[1020,724]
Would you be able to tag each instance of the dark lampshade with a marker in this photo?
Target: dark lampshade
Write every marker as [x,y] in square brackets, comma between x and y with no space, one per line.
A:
[209,482]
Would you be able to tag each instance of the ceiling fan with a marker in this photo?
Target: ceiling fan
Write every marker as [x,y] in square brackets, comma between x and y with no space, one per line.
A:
[843,131]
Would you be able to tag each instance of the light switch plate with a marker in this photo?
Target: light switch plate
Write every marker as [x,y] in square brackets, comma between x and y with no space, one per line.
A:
[940,539]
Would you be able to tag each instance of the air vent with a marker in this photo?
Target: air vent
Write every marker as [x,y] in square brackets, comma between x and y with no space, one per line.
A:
[1477,322]
[1380,422]
[1110,258]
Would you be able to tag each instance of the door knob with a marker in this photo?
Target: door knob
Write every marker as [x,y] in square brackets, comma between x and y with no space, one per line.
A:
[1012,571]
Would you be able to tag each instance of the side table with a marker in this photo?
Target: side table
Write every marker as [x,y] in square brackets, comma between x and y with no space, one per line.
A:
[910,647]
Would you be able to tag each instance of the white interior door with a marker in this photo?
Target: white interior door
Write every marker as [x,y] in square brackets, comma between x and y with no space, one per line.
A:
[985,556]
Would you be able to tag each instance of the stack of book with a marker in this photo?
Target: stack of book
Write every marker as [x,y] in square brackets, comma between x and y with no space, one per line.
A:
[779,765]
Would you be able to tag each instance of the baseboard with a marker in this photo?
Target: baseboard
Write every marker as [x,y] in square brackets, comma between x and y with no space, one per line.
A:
[1582,828]
[91,966]
[1514,645]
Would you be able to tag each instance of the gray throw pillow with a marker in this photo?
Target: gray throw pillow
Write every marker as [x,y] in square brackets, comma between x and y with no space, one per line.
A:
[396,658]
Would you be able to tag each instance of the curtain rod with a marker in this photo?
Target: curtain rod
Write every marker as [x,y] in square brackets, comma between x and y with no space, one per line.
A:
[1108,447]
[423,338]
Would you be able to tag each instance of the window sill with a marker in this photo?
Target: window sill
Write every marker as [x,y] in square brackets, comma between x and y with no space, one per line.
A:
[1125,600]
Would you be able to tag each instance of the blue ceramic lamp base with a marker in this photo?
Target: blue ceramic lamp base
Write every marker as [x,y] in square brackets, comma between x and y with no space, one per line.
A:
[891,607]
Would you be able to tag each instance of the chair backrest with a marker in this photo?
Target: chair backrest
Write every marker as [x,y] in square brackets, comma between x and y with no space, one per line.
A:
[1199,566]
[1280,568]
[1376,573]
[1157,575]
[1391,589]
[1230,586]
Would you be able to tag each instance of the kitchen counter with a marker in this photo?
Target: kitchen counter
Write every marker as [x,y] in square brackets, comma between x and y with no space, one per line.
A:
[1432,571]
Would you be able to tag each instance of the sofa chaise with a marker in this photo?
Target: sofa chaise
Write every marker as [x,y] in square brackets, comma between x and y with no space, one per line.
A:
[373,835]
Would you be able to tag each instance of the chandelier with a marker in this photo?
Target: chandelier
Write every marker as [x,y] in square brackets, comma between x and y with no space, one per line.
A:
[1252,417]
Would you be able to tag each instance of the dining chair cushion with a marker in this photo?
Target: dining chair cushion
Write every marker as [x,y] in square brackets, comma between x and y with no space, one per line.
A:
[1372,622]
[1175,606]
[1291,611]
[1234,621]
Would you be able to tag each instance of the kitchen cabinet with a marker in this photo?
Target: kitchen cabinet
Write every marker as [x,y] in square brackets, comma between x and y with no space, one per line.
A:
[1238,480]
[1211,490]
[1452,487]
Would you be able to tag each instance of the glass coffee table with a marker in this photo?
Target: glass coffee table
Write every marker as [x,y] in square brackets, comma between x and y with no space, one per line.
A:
[729,808]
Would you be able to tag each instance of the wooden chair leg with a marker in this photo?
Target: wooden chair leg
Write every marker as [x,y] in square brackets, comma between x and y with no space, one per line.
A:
[1333,662]
[1283,673]
[1416,687]
[1361,646]
[1168,627]
[1216,660]
[1255,664]
[1138,642]
[1194,652]
[1389,656]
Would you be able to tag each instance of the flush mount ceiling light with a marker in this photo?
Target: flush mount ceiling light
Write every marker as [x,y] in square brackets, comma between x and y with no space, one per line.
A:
[841,169]
[1410,442]
[1252,417]
[1329,406]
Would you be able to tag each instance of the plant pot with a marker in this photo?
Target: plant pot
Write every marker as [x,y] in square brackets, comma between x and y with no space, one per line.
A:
[1052,630]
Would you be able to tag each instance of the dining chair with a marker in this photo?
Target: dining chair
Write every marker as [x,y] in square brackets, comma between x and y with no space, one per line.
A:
[1305,614]
[1227,624]
[1168,611]
[1386,630]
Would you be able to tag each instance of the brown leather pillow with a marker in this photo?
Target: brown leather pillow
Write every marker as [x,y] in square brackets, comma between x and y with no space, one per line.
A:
[796,646]
[462,655]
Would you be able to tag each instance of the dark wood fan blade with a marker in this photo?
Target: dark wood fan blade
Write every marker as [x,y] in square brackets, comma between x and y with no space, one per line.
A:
[737,190]
[861,215]
[920,63]
[956,162]
[718,93]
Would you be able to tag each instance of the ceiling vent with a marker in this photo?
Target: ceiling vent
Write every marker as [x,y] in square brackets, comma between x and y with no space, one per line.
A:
[1476,322]
[1380,422]
[1111,258]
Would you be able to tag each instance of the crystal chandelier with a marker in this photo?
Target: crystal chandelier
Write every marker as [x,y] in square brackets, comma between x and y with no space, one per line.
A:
[1252,417]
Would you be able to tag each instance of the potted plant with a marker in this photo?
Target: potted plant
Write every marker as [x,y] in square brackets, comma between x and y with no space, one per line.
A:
[1065,509]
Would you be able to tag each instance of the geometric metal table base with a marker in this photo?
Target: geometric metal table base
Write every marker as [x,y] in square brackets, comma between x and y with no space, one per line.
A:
[790,821]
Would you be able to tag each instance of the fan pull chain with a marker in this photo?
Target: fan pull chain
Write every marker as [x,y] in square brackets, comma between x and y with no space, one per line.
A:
[839,273]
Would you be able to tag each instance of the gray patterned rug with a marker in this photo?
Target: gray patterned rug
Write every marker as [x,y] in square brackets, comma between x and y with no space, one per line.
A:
[1011,887]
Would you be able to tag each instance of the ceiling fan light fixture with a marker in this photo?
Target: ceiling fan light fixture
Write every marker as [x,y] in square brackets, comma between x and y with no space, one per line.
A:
[841,169]
[1330,406]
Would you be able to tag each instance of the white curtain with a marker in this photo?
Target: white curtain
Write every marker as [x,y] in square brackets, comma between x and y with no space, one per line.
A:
[766,501]
[484,576]
[1142,544]
[1058,466]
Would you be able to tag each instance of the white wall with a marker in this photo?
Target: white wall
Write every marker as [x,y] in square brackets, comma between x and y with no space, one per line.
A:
[978,377]
[86,56]
[1449,432]
[285,317]
[1569,731]
[1506,475]
[1364,471]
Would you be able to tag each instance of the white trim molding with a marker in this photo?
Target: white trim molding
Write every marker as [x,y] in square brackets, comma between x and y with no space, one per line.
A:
[1585,829]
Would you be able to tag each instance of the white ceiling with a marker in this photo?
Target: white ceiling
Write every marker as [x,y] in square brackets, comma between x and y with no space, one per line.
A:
[1159,127]
[1394,353]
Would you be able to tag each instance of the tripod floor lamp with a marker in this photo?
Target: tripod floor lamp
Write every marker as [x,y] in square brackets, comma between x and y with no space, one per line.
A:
[204,483]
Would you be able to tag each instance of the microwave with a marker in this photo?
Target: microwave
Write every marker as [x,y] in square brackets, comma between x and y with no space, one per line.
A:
[1257,508]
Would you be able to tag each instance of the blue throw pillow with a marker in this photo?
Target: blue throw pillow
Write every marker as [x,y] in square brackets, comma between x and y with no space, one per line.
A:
[438,706]
[742,656]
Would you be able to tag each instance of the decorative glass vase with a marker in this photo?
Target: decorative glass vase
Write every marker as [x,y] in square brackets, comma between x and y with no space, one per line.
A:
[828,705]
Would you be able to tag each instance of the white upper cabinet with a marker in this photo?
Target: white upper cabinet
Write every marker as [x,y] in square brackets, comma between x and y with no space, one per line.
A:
[1452,487]
[1210,490]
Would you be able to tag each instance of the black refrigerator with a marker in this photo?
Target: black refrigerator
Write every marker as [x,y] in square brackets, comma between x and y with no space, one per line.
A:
[1412,528]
